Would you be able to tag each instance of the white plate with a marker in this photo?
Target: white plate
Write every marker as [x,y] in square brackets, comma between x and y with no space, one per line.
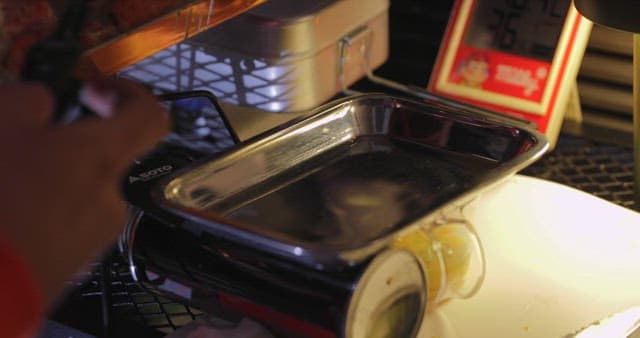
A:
[557,258]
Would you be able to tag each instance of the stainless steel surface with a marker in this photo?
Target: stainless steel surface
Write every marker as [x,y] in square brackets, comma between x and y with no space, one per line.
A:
[337,186]
[125,241]
[286,28]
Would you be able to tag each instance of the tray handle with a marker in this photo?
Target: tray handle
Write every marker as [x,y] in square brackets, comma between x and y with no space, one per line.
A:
[176,96]
[361,38]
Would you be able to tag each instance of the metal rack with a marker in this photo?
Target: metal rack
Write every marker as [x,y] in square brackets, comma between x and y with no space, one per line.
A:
[113,305]
[190,66]
[601,169]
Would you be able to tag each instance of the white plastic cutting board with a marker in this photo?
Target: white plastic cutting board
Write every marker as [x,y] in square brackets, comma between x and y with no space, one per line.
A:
[557,260]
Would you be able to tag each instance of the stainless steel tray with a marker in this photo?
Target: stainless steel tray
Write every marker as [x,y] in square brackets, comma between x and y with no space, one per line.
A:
[333,188]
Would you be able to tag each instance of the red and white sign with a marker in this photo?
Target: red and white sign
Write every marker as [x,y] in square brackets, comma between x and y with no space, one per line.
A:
[508,73]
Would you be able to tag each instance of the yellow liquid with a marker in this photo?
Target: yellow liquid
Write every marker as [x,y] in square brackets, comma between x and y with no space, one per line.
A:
[445,252]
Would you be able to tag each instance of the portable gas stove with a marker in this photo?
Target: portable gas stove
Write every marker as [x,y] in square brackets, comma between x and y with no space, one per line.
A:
[109,303]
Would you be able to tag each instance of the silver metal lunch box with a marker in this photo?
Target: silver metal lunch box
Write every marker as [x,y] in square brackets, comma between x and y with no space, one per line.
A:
[284,56]
[289,51]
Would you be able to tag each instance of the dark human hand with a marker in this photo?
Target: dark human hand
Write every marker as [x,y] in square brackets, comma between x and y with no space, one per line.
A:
[61,199]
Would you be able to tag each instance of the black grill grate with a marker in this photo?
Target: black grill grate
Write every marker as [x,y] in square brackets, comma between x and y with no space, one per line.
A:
[132,311]
[601,169]
[131,302]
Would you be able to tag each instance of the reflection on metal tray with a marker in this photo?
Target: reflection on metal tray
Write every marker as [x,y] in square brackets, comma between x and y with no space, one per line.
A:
[335,187]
